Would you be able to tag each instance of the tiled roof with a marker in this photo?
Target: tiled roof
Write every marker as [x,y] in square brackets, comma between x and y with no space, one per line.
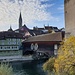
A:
[22,29]
[46,37]
[8,34]
[36,32]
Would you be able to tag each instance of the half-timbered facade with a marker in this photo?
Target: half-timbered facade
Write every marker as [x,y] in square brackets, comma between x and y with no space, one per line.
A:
[10,42]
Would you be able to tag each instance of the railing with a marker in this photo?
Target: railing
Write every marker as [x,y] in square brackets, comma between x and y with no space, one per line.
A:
[11,53]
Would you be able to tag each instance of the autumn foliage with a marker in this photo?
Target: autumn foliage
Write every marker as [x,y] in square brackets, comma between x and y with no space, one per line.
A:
[64,63]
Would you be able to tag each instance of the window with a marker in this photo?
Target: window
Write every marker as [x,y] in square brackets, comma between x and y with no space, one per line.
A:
[2,42]
[8,41]
[5,47]
[1,47]
[18,41]
[8,47]
[12,47]
[13,41]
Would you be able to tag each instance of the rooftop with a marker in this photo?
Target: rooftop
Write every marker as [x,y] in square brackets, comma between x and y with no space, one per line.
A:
[46,37]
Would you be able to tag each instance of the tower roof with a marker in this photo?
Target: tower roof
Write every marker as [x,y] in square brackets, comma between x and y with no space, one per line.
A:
[10,29]
[20,16]
[20,20]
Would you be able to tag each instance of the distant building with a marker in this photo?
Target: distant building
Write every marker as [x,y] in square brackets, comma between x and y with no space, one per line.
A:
[45,30]
[69,6]
[24,31]
[51,28]
[10,42]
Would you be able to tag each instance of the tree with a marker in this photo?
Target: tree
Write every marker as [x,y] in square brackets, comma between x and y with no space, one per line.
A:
[49,65]
[64,63]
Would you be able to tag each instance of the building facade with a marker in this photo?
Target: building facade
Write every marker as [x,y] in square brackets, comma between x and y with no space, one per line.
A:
[10,43]
[46,44]
[69,8]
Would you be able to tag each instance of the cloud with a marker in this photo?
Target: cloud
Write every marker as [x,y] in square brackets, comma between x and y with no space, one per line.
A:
[61,7]
[31,10]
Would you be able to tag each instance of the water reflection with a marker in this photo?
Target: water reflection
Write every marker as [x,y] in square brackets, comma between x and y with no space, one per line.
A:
[28,68]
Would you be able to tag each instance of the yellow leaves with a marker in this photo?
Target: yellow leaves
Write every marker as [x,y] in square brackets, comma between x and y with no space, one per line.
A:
[49,65]
[56,65]
[64,64]
[66,56]
[61,58]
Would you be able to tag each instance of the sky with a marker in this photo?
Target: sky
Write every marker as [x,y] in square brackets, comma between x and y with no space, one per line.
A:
[34,13]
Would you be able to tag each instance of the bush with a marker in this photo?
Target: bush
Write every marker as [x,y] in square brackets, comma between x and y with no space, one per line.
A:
[49,65]
[5,69]
[64,64]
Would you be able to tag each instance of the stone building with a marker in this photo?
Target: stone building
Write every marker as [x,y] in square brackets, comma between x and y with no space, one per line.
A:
[69,8]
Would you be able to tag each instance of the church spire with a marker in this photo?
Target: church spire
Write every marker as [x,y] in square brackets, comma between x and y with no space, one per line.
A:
[20,21]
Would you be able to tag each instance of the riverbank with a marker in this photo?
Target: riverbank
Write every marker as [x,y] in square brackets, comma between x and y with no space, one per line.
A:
[15,58]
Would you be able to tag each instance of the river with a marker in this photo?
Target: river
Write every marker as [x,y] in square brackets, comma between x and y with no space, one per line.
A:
[28,67]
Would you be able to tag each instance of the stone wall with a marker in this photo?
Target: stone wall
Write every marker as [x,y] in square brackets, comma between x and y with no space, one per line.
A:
[69,9]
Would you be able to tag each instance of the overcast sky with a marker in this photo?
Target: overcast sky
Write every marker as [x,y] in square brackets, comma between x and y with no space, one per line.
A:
[34,13]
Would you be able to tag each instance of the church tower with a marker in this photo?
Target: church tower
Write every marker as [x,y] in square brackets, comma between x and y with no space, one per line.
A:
[20,21]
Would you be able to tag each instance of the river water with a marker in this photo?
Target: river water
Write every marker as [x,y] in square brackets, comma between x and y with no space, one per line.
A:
[28,67]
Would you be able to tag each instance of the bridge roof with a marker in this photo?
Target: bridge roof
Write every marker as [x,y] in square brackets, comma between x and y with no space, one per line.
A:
[46,37]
